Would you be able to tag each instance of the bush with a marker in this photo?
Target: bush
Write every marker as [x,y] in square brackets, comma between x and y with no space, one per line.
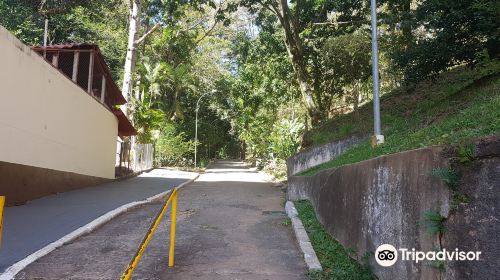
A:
[449,33]
[285,138]
[173,149]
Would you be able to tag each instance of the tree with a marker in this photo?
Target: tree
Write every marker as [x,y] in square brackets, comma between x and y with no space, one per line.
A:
[346,59]
[294,46]
[145,105]
[76,21]
[133,42]
[134,19]
[447,33]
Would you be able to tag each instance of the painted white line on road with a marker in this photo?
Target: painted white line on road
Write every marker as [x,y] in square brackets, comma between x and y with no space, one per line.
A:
[14,269]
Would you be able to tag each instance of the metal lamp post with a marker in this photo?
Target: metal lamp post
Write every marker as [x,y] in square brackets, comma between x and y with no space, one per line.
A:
[378,138]
[196,125]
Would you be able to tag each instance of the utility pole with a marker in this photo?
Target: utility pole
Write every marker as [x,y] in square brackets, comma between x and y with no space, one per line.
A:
[45,36]
[378,138]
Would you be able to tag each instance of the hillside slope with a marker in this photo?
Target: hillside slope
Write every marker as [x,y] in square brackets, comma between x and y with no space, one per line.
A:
[454,107]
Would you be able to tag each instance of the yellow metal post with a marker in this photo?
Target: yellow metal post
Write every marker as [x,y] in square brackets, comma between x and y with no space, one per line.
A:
[172,230]
[133,264]
[2,203]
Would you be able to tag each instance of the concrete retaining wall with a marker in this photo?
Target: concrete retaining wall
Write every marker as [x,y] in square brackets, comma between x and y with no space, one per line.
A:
[383,200]
[318,155]
[380,201]
[475,226]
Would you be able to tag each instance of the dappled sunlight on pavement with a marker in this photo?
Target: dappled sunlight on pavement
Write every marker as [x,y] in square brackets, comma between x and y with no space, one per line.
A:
[232,172]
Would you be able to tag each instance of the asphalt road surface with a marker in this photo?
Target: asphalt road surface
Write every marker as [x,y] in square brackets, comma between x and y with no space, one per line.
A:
[231,225]
[32,226]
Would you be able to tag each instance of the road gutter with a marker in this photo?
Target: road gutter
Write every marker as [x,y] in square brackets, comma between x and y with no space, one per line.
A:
[14,269]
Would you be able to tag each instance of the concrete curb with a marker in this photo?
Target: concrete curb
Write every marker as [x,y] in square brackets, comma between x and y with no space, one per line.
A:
[14,269]
[310,257]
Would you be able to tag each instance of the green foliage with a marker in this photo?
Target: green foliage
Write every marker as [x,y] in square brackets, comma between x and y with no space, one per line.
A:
[144,108]
[334,258]
[260,101]
[100,22]
[262,80]
[465,152]
[461,105]
[440,265]
[448,176]
[146,121]
[343,131]
[458,198]
[172,148]
[347,66]
[434,222]
[285,137]
[286,222]
[447,33]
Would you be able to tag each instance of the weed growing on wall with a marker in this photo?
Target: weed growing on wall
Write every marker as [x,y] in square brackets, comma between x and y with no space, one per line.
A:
[465,152]
[448,176]
[434,222]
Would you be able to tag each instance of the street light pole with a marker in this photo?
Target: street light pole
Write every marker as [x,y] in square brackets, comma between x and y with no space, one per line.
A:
[378,138]
[196,133]
[196,125]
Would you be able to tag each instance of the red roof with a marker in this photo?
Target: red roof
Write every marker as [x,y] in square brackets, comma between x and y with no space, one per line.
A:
[113,92]
[125,128]
[113,96]
[85,46]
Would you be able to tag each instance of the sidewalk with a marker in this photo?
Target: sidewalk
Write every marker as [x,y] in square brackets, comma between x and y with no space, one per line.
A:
[32,226]
[230,226]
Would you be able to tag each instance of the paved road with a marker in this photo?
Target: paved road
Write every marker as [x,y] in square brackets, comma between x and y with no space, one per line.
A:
[32,226]
[230,226]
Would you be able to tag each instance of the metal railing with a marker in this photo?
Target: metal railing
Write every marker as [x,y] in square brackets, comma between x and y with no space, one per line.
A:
[127,274]
[2,203]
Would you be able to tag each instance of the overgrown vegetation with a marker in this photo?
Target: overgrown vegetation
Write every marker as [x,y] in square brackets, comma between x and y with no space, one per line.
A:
[282,68]
[337,262]
[462,104]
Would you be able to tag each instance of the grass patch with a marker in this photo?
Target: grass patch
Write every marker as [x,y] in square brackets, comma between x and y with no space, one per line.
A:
[334,258]
[462,104]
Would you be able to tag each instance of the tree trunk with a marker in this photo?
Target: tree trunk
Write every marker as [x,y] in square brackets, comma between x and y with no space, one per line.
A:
[135,11]
[243,150]
[293,44]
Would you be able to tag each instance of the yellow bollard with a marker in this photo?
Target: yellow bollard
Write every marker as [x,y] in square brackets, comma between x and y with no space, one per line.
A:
[172,230]
[2,203]
[127,274]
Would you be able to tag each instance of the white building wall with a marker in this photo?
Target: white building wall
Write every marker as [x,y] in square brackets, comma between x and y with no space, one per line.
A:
[48,121]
